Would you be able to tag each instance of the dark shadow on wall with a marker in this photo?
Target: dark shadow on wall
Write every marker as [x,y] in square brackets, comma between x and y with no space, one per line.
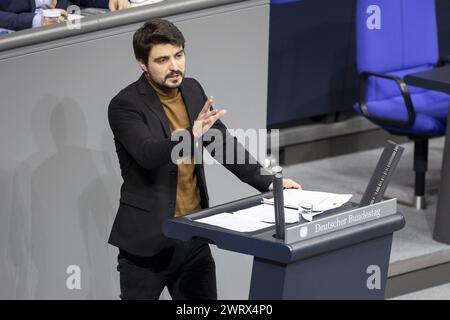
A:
[62,208]
[95,230]
[21,236]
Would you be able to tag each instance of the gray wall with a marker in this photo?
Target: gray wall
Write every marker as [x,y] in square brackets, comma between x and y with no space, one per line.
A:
[59,175]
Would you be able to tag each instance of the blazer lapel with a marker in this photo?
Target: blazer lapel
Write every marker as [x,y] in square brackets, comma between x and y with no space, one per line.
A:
[153,103]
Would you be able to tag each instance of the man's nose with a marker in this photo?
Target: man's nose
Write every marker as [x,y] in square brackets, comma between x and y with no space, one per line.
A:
[174,65]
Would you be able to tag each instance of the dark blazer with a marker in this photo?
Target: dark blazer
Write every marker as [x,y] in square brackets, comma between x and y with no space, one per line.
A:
[142,139]
[19,14]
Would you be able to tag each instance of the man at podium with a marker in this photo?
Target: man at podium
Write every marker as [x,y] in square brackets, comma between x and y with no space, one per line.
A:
[143,118]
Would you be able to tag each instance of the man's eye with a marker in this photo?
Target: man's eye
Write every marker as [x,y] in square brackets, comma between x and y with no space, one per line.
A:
[161,60]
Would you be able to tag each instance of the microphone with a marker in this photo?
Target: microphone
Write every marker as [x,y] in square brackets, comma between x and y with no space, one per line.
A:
[278,202]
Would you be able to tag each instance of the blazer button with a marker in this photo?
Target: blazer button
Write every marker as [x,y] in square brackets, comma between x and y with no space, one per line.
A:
[171,204]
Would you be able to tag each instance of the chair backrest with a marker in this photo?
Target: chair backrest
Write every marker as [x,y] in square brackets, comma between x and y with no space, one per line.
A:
[395,37]
[406,38]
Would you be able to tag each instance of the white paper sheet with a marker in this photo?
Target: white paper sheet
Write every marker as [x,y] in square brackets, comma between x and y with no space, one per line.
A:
[266,213]
[233,222]
[321,201]
[136,3]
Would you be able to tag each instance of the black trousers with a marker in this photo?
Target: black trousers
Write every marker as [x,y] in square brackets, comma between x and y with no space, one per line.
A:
[186,268]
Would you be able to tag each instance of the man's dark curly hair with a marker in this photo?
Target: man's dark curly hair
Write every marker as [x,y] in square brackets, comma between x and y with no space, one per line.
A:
[155,31]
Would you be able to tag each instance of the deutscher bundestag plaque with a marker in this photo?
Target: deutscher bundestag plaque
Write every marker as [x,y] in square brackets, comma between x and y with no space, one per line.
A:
[340,221]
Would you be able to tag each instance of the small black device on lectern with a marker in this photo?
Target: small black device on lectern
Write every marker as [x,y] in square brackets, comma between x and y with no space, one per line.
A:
[382,175]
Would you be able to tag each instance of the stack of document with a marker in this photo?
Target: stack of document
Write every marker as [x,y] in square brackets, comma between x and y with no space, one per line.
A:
[321,201]
[263,215]
[250,219]
[266,213]
[230,221]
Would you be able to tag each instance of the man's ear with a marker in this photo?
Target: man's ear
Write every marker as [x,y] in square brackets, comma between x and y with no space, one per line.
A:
[142,65]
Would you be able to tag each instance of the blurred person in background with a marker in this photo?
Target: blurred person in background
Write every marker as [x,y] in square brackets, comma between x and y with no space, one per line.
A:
[23,14]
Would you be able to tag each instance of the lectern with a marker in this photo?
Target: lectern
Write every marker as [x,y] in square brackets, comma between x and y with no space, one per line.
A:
[342,254]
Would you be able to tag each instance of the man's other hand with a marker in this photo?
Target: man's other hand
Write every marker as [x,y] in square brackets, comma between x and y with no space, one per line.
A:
[287,184]
[118,4]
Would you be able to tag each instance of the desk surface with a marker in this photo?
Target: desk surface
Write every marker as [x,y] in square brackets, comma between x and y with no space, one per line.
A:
[436,79]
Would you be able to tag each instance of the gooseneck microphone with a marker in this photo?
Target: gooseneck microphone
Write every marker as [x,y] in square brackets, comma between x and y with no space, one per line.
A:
[278,202]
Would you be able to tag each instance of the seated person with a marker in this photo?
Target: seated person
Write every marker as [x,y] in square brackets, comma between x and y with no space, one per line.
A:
[23,14]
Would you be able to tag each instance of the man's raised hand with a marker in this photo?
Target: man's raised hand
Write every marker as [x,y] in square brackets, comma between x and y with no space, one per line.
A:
[206,118]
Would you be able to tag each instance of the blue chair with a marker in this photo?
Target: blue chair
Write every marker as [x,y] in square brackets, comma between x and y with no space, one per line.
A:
[403,41]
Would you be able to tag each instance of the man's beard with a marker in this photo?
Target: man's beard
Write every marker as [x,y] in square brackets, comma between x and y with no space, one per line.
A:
[163,85]
[172,74]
